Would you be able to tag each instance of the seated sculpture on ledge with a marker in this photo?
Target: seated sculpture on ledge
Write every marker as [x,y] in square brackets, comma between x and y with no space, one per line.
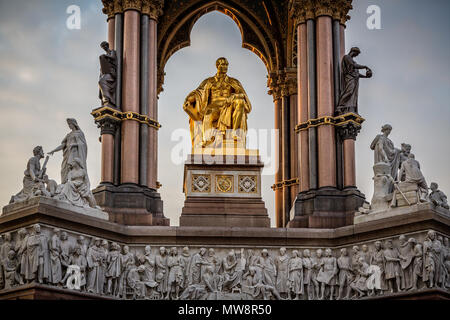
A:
[218,110]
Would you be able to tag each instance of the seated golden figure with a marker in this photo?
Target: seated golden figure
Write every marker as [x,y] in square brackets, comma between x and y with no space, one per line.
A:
[218,111]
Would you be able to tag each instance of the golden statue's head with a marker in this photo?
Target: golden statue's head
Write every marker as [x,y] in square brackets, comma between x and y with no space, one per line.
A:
[222,65]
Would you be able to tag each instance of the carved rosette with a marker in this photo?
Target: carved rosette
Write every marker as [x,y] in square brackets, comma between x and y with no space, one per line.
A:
[303,10]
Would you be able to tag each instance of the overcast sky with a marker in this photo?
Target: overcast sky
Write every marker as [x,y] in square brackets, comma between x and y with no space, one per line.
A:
[49,73]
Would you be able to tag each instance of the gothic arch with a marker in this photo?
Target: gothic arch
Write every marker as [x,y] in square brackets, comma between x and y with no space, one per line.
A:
[259,23]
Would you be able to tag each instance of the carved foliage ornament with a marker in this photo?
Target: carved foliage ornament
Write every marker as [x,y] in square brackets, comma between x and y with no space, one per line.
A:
[302,10]
[153,8]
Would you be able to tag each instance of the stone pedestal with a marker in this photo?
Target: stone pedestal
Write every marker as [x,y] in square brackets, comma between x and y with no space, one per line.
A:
[131,204]
[325,208]
[224,190]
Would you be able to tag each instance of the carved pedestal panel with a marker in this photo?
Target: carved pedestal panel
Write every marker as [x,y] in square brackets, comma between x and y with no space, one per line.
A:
[223,190]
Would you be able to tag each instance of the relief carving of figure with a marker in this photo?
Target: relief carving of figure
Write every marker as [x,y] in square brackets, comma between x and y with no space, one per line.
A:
[38,257]
[377,259]
[308,265]
[162,274]
[20,249]
[65,252]
[432,262]
[55,260]
[295,275]
[282,269]
[360,282]
[176,266]
[127,262]
[392,268]
[327,274]
[113,270]
[77,262]
[93,258]
[406,251]
[345,273]
[198,260]
[186,256]
[268,268]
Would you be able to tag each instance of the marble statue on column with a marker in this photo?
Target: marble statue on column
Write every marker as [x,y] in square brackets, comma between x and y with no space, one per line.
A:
[348,99]
[218,110]
[108,76]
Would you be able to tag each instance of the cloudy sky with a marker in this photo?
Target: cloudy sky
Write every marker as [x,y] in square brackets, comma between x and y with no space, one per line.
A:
[49,73]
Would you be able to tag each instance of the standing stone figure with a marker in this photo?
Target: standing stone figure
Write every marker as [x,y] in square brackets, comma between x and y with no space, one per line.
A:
[186,256]
[32,180]
[327,274]
[377,259]
[348,100]
[385,152]
[432,263]
[417,266]
[162,274]
[77,261]
[176,277]
[406,250]
[437,197]
[404,154]
[345,273]
[393,271]
[113,270]
[268,268]
[55,260]
[295,275]
[108,76]
[282,267]
[94,284]
[127,262]
[4,252]
[38,258]
[65,252]
[20,249]
[198,260]
[317,265]
[74,145]
[308,266]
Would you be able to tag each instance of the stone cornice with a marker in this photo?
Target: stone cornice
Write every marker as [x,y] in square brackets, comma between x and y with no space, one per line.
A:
[303,10]
[152,8]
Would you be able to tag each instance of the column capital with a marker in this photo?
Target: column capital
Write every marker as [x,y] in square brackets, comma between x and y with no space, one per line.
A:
[274,87]
[108,8]
[349,131]
[152,8]
[303,10]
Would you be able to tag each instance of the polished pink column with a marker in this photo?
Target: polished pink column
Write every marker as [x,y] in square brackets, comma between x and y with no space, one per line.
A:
[111,32]
[152,165]
[279,173]
[325,89]
[130,100]
[294,144]
[349,163]
[302,115]
[107,158]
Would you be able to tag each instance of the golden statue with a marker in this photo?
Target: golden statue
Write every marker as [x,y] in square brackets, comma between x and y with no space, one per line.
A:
[218,111]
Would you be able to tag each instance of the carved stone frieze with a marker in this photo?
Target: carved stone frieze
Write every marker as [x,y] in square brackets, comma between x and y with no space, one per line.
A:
[88,264]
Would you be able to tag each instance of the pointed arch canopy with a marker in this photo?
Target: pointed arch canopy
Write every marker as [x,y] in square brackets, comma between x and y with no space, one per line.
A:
[258,22]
